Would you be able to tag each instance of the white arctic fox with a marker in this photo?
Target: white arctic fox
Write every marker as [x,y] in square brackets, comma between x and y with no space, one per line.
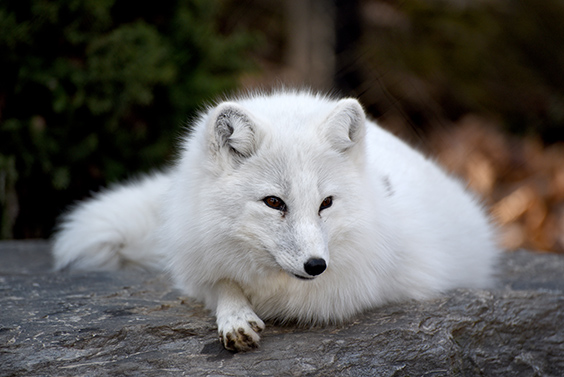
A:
[290,207]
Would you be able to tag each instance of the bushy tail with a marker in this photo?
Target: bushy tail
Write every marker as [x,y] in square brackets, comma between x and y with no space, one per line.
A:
[113,229]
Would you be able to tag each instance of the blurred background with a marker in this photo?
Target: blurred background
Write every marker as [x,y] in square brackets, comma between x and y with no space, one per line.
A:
[96,91]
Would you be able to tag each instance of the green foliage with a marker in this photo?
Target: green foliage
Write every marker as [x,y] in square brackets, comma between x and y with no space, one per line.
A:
[93,90]
[498,57]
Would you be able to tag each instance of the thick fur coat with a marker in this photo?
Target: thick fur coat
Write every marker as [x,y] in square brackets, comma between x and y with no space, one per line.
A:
[289,206]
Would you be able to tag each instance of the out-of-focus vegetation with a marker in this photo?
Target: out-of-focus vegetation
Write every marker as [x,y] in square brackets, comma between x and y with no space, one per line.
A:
[96,90]
[504,59]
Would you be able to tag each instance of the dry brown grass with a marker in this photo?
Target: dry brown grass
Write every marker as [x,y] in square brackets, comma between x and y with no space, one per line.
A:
[521,181]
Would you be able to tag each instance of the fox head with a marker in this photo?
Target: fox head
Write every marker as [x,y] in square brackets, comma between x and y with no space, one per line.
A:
[281,177]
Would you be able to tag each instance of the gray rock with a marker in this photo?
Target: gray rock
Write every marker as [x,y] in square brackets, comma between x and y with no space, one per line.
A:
[134,323]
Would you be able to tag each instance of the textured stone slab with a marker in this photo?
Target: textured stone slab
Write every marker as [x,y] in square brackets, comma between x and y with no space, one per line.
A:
[134,323]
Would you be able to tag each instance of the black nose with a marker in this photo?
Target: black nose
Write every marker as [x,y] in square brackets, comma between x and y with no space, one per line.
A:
[315,266]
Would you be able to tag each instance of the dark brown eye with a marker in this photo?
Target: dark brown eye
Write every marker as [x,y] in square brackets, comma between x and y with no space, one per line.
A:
[274,202]
[326,203]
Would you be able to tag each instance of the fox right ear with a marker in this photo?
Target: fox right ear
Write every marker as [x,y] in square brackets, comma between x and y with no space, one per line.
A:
[233,131]
[345,126]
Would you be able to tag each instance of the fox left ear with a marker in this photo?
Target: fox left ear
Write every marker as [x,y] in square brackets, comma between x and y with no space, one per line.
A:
[345,126]
[233,132]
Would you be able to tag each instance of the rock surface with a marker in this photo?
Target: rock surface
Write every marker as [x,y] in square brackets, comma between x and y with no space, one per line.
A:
[134,323]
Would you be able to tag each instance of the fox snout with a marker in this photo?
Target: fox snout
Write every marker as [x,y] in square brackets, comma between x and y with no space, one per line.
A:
[313,268]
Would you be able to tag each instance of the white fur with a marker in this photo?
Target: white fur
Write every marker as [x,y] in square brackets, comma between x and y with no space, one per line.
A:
[398,227]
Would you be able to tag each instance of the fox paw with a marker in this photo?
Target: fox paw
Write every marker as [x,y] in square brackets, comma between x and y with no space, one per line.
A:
[239,332]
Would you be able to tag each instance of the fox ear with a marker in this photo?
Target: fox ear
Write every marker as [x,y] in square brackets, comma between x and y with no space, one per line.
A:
[345,126]
[233,130]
